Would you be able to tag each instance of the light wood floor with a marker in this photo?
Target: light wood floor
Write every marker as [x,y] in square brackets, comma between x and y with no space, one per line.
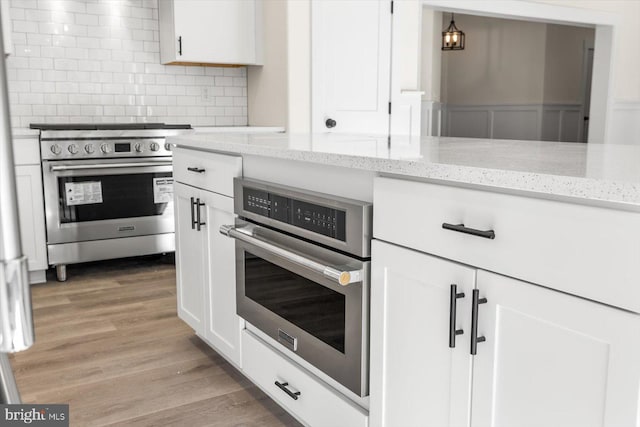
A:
[109,343]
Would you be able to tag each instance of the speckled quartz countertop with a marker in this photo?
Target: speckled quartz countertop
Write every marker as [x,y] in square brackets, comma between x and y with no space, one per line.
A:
[601,174]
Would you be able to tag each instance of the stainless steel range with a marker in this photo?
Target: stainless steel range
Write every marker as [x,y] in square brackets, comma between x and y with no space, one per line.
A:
[108,191]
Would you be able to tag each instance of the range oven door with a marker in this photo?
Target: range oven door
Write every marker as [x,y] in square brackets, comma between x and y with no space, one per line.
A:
[93,200]
[290,289]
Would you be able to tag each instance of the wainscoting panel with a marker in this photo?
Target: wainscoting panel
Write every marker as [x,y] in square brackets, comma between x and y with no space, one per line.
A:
[529,122]
[468,123]
[515,124]
[624,127]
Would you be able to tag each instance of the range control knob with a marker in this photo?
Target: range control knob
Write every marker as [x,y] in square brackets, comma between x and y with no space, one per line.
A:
[105,148]
[154,146]
[168,146]
[73,149]
[89,148]
[56,149]
[138,147]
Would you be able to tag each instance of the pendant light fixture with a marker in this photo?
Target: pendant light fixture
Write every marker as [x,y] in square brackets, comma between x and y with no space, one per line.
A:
[452,37]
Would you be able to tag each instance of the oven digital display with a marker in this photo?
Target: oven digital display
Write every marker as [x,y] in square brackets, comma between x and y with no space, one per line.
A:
[122,147]
[310,216]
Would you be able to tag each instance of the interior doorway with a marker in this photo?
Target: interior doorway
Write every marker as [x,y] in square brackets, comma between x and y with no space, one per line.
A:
[517,79]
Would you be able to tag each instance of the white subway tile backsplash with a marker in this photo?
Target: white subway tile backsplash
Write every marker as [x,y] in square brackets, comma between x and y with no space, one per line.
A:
[98,61]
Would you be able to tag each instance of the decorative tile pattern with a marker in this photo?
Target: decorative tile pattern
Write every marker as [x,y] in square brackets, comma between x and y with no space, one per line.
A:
[99,61]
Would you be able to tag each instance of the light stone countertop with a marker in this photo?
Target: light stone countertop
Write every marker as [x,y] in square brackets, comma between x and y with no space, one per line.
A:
[599,174]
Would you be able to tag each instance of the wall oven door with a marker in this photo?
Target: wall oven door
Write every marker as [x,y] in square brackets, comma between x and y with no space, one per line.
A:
[111,198]
[290,289]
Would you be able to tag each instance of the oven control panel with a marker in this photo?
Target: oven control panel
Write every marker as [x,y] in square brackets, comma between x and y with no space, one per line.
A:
[66,149]
[321,219]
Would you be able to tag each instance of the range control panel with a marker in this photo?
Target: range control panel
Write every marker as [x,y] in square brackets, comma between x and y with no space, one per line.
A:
[103,148]
[320,219]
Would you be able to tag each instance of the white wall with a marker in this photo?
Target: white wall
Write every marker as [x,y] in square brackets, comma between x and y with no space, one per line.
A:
[503,62]
[626,59]
[98,61]
[280,90]
[267,84]
[564,56]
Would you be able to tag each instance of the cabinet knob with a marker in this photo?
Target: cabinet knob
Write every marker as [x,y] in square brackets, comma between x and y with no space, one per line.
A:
[330,123]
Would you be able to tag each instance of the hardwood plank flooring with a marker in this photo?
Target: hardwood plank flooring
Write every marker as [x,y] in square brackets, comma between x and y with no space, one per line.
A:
[109,343]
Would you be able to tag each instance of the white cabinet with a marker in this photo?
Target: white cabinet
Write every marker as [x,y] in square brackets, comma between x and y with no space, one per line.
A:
[222,325]
[28,174]
[205,260]
[350,61]
[551,359]
[214,32]
[31,211]
[547,359]
[190,259]
[416,378]
[295,389]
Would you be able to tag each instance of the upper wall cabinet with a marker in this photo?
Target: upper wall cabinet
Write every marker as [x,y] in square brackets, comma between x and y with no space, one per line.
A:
[223,32]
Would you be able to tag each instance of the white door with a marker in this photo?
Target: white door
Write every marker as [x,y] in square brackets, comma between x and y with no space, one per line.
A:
[223,325]
[220,31]
[553,360]
[190,258]
[350,69]
[416,378]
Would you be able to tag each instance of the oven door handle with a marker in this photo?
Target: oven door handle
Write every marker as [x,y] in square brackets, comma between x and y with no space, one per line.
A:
[342,277]
[56,168]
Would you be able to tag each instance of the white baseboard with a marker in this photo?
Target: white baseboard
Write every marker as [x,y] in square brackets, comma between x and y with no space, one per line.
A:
[548,122]
[624,125]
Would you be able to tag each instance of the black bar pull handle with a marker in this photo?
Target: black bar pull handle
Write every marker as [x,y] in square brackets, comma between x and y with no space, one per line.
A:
[453,302]
[283,386]
[193,216]
[180,45]
[196,170]
[487,234]
[475,339]
[198,222]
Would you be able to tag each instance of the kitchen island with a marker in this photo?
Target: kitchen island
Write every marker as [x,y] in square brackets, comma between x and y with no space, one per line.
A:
[504,274]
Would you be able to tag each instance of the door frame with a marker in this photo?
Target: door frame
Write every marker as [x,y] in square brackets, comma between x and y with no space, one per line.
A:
[605,24]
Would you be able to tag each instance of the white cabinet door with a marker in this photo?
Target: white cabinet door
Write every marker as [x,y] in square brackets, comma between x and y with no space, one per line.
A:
[190,258]
[218,32]
[416,378]
[351,51]
[551,359]
[31,211]
[223,325]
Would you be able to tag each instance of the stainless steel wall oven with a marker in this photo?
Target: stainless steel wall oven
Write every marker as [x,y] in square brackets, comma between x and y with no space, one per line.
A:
[108,191]
[302,271]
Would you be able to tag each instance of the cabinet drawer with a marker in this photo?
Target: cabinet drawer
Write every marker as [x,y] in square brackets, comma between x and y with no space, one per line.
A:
[317,405]
[583,250]
[209,171]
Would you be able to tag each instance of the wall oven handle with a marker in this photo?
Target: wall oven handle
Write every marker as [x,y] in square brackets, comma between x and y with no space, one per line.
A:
[342,277]
[56,168]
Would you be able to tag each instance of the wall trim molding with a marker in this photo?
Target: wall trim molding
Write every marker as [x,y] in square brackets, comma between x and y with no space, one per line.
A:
[549,122]
[625,123]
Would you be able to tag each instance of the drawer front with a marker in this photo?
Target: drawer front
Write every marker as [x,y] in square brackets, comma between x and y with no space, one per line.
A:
[317,405]
[209,171]
[583,250]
